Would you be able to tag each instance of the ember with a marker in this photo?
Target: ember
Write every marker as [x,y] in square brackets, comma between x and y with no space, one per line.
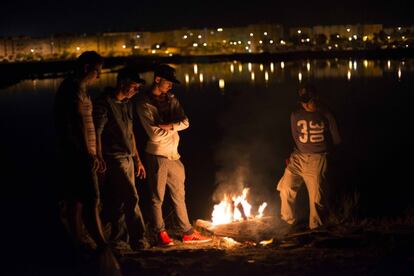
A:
[234,208]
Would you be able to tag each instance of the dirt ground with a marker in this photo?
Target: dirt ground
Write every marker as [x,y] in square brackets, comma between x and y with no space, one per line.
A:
[340,250]
[364,248]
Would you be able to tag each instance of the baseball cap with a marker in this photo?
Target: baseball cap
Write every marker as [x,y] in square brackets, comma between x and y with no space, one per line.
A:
[307,93]
[129,73]
[167,72]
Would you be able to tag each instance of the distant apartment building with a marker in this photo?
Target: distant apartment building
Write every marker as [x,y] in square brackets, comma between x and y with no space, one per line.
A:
[347,32]
[300,31]
[248,39]
[25,48]
[399,35]
[398,30]
[69,46]
[215,41]
[6,49]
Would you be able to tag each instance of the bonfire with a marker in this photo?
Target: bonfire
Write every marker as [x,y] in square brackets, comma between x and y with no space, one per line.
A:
[235,208]
[234,220]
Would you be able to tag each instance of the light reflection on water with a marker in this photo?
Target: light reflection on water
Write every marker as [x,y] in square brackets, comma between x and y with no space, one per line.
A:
[258,74]
[263,74]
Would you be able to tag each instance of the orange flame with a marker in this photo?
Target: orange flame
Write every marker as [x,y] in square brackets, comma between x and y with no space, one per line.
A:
[228,210]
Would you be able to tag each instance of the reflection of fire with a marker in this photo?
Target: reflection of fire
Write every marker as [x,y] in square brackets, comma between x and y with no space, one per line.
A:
[234,208]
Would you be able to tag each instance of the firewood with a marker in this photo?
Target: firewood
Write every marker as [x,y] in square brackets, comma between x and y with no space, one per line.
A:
[251,229]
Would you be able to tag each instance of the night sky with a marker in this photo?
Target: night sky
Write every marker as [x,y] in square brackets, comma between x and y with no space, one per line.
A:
[42,18]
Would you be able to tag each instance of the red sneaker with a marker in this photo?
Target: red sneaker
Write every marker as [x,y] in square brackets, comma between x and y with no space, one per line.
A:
[164,239]
[195,237]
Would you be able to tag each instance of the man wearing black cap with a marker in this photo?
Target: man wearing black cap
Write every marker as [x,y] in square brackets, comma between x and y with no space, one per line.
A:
[116,148]
[162,117]
[315,132]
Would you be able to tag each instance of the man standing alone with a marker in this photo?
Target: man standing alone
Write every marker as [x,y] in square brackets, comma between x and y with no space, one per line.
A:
[315,132]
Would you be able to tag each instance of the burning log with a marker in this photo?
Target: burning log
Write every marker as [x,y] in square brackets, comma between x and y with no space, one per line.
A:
[235,208]
[241,210]
[251,229]
[233,218]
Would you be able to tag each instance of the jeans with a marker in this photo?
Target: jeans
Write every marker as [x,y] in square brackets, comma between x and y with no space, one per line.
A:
[120,198]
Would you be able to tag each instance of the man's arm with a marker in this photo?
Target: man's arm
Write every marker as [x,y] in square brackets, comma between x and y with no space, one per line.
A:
[333,129]
[87,128]
[139,167]
[100,118]
[154,131]
[180,119]
[293,126]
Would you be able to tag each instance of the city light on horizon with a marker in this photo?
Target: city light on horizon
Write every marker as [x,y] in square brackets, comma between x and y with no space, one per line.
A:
[198,42]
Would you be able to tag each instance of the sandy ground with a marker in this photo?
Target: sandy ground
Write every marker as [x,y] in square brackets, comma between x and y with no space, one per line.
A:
[340,250]
[347,249]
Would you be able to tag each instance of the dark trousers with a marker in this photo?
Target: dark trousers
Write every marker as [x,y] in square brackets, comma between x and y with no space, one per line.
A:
[120,200]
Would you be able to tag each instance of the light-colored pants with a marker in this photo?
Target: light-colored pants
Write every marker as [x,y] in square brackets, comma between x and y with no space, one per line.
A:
[311,169]
[163,172]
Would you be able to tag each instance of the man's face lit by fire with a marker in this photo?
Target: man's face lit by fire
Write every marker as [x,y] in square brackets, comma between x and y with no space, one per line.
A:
[93,72]
[163,85]
[309,106]
[130,88]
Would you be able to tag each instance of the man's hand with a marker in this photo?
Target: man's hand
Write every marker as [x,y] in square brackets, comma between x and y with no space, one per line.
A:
[140,170]
[102,164]
[287,161]
[94,162]
[166,127]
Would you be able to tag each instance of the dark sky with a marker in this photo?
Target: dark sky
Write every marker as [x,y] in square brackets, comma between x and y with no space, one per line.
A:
[40,18]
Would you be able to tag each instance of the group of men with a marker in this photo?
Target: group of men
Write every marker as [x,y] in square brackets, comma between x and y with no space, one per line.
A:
[97,144]
[98,139]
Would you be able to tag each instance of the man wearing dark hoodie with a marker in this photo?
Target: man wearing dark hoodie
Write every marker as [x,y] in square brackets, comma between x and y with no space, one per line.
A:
[116,148]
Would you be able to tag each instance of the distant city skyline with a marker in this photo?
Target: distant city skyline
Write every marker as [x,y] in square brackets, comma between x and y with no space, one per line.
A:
[42,18]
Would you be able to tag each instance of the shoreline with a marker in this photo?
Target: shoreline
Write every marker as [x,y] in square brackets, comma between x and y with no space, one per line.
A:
[17,71]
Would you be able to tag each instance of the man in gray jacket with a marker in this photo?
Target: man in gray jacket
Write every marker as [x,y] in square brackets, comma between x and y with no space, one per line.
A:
[162,117]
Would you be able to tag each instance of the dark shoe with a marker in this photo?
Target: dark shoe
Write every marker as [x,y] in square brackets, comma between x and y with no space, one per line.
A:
[164,239]
[86,247]
[142,244]
[195,237]
[120,248]
[286,228]
[299,227]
